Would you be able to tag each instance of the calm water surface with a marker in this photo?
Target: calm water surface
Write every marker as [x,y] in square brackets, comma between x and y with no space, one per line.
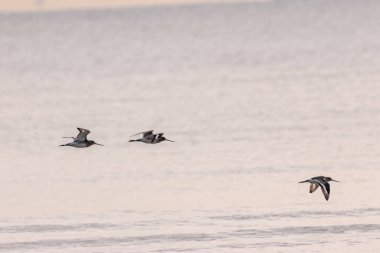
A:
[257,96]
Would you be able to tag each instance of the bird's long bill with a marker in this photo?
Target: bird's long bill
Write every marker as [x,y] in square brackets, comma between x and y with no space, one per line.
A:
[99,144]
[335,180]
[169,140]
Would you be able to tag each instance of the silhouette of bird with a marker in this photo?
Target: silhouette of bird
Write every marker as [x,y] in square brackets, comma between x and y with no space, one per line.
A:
[150,138]
[321,181]
[81,140]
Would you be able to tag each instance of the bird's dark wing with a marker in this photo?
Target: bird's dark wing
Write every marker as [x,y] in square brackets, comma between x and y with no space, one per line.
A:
[145,134]
[159,135]
[82,136]
[313,187]
[325,187]
[326,190]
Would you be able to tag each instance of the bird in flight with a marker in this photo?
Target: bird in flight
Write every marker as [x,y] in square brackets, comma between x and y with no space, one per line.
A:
[322,182]
[81,140]
[149,137]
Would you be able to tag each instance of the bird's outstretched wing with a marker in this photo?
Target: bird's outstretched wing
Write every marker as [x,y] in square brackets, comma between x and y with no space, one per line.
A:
[82,136]
[325,187]
[313,187]
[145,134]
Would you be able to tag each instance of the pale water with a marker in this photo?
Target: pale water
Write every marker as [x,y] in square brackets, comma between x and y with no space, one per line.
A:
[257,96]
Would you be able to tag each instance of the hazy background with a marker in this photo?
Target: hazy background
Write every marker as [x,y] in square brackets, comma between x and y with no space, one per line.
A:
[257,96]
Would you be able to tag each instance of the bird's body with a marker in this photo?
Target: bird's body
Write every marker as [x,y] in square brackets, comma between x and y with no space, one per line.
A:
[150,138]
[81,140]
[322,182]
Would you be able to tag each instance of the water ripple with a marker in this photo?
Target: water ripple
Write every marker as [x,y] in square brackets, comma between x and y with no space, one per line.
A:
[194,237]
[102,241]
[54,228]
[274,216]
[302,230]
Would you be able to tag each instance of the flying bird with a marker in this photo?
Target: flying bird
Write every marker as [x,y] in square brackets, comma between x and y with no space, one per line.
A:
[149,137]
[322,182]
[81,140]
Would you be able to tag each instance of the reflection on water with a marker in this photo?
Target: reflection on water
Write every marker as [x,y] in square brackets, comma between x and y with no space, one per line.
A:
[257,96]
